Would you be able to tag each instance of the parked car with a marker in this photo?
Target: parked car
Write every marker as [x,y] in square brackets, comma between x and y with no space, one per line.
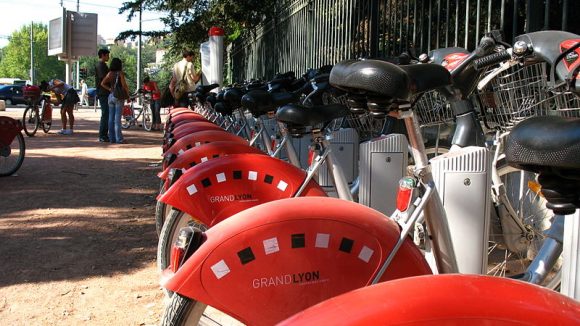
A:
[12,94]
[92,92]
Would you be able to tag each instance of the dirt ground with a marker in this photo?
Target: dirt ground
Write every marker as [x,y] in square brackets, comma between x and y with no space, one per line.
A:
[77,229]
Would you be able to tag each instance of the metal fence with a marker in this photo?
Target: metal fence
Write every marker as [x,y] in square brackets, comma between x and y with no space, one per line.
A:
[311,33]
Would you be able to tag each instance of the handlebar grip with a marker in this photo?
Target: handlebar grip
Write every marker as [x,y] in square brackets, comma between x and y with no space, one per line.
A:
[491,60]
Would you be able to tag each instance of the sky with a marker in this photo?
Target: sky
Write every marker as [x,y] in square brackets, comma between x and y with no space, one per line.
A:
[18,13]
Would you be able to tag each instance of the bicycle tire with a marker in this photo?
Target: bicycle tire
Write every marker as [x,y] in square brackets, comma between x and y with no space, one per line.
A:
[12,156]
[161,210]
[127,120]
[31,121]
[147,117]
[46,126]
[185,311]
[505,260]
[169,233]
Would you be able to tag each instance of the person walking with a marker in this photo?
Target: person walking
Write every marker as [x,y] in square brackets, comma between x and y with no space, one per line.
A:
[183,73]
[101,71]
[84,93]
[115,83]
[69,99]
[151,86]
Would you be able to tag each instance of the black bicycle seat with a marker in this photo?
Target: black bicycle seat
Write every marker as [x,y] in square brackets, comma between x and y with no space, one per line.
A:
[384,79]
[260,102]
[204,89]
[545,143]
[233,97]
[296,115]
[223,108]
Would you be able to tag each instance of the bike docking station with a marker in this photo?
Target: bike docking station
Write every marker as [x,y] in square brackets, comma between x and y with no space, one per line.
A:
[383,162]
[463,180]
[571,261]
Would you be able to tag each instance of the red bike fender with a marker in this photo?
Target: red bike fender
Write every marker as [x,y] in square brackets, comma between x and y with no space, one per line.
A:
[202,137]
[444,300]
[204,152]
[9,128]
[174,110]
[192,127]
[175,113]
[271,261]
[224,186]
[183,119]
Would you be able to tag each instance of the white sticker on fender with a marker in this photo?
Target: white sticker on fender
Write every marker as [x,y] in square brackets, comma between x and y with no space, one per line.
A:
[365,254]
[191,189]
[322,240]
[253,175]
[220,269]
[271,246]
[282,185]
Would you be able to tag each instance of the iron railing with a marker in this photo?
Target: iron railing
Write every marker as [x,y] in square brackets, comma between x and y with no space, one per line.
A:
[311,33]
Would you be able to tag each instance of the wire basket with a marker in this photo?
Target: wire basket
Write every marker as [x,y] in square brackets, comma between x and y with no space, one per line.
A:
[515,95]
[432,109]
[566,104]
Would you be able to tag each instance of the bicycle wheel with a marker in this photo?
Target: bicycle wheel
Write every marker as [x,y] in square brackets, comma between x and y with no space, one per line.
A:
[12,155]
[46,126]
[161,210]
[31,120]
[510,250]
[147,118]
[169,233]
[185,311]
[127,118]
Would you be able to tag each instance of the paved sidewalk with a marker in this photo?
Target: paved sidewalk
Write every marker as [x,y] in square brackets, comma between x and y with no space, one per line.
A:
[77,229]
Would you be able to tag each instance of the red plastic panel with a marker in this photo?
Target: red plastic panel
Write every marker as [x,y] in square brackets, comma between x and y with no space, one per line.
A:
[8,129]
[192,127]
[179,109]
[185,129]
[274,260]
[452,60]
[202,137]
[571,60]
[202,153]
[445,300]
[224,186]
[183,119]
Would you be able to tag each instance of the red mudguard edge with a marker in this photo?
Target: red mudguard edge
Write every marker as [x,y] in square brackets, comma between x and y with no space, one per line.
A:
[451,299]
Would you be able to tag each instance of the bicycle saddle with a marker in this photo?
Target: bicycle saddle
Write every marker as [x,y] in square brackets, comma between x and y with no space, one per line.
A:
[542,143]
[223,108]
[211,98]
[384,79]
[297,117]
[260,102]
[204,89]
[233,97]
[549,146]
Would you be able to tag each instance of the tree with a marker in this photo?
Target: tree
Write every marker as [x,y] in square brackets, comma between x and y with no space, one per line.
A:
[188,21]
[15,60]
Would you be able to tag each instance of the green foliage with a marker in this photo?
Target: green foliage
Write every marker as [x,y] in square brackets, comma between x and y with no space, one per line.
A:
[188,21]
[15,59]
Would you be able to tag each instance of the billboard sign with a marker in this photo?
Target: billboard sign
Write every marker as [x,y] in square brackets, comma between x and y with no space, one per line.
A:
[57,35]
[73,35]
[83,34]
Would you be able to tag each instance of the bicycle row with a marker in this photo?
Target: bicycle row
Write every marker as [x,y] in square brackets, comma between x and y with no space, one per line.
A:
[235,221]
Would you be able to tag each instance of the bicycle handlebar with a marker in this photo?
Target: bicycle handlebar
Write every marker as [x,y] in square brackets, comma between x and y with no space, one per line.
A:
[491,60]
